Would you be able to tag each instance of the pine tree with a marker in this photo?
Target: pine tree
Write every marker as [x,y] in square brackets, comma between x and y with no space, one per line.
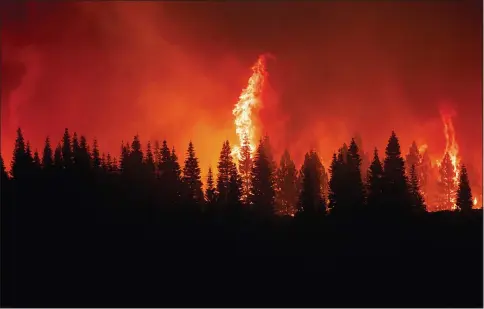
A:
[262,194]
[66,149]
[20,161]
[175,176]
[136,155]
[104,162]
[234,194]
[395,190]
[109,163]
[365,158]
[375,183]
[417,200]
[355,182]
[191,177]
[286,186]
[245,168]
[150,159]
[36,160]
[210,192]
[224,167]
[340,185]
[164,163]
[311,200]
[267,147]
[124,157]
[447,187]
[3,172]
[58,162]
[96,159]
[424,174]
[157,157]
[47,160]
[84,155]
[75,149]
[464,194]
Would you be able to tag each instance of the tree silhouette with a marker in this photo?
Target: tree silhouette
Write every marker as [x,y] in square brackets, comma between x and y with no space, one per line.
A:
[464,194]
[191,177]
[262,195]
[66,149]
[20,165]
[417,201]
[413,158]
[84,156]
[395,189]
[375,183]
[3,171]
[76,150]
[47,160]
[150,159]
[210,192]
[245,168]
[311,200]
[447,188]
[96,159]
[354,181]
[224,169]
[157,157]
[286,186]
[424,174]
[58,162]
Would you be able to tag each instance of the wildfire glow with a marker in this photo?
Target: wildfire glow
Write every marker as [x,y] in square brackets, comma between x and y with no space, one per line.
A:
[451,148]
[248,99]
[474,202]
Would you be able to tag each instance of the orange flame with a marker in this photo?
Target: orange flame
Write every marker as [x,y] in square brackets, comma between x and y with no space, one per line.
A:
[451,147]
[248,99]
[474,201]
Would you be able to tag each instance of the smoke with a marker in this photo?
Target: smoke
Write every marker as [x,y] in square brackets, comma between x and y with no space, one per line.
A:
[175,70]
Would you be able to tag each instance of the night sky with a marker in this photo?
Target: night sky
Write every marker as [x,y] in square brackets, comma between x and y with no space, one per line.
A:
[174,70]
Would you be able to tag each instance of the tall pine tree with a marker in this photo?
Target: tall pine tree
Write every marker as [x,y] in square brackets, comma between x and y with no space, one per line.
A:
[464,194]
[447,188]
[375,183]
[245,168]
[262,195]
[224,167]
[417,201]
[210,192]
[286,186]
[311,200]
[191,177]
[47,160]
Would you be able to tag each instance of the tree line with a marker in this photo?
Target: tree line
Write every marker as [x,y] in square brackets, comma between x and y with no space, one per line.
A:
[256,183]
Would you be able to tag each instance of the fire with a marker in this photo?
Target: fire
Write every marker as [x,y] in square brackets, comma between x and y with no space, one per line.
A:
[474,202]
[451,147]
[248,99]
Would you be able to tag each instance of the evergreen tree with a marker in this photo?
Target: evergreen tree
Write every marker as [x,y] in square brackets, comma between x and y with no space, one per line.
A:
[109,163]
[20,162]
[124,157]
[3,172]
[424,174]
[365,158]
[286,186]
[447,187]
[157,157]
[76,149]
[267,147]
[245,168]
[104,164]
[395,190]
[311,200]
[210,192]
[464,194]
[375,183]
[175,176]
[354,181]
[417,200]
[224,167]
[262,194]
[66,149]
[37,163]
[234,193]
[150,159]
[58,162]
[191,177]
[165,158]
[84,156]
[96,159]
[47,160]
[136,154]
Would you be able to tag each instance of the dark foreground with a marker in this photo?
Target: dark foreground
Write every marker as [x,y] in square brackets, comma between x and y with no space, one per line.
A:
[431,261]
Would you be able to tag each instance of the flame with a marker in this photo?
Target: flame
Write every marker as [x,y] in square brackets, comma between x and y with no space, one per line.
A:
[474,201]
[451,147]
[248,99]
[422,148]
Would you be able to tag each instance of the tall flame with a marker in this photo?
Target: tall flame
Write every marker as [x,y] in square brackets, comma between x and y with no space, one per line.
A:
[248,99]
[451,147]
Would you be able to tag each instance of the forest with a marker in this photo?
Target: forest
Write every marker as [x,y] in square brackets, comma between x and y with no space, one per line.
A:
[84,228]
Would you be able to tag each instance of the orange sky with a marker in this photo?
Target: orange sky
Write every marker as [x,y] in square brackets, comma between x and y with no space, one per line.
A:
[175,70]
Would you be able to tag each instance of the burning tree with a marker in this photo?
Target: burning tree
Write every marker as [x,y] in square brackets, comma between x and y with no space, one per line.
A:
[286,186]
[446,184]
[245,167]
[464,195]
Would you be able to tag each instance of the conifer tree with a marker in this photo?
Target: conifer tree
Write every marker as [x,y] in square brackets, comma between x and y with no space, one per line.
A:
[84,155]
[157,157]
[150,159]
[164,164]
[447,188]
[191,177]
[424,174]
[365,158]
[66,149]
[175,176]
[341,191]
[3,172]
[210,192]
[58,162]
[37,163]
[104,162]
[311,200]
[96,159]
[395,190]
[75,149]
[47,160]
[417,200]
[355,181]
[124,157]
[375,183]
[234,193]
[109,163]
[224,167]
[267,147]
[286,186]
[20,161]
[262,195]
[245,168]
[136,154]
[464,194]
